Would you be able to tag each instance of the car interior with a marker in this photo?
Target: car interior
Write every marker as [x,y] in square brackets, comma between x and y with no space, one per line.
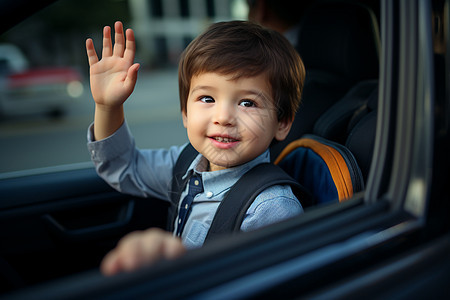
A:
[376,91]
[352,31]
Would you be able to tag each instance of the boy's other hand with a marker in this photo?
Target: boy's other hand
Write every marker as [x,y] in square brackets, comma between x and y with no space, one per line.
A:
[141,248]
[114,76]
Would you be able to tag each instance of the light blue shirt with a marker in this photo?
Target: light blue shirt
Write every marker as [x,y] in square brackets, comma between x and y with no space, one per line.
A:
[148,173]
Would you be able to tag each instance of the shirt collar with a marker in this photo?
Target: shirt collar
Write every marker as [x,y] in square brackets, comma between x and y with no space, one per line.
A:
[217,182]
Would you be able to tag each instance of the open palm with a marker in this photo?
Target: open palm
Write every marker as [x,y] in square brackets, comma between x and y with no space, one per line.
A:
[114,76]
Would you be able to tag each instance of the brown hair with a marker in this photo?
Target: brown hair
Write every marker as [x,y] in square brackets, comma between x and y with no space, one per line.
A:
[245,49]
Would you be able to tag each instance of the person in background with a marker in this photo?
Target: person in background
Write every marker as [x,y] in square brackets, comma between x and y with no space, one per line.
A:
[283,16]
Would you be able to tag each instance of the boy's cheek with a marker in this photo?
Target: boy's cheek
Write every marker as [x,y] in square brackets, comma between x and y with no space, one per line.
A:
[256,122]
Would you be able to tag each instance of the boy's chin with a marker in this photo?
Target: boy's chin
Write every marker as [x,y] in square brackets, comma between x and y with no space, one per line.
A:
[215,165]
[218,166]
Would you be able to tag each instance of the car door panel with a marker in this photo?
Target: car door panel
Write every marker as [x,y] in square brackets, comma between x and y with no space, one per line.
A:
[59,223]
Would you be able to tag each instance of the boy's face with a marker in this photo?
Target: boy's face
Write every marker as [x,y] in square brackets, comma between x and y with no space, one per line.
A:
[231,121]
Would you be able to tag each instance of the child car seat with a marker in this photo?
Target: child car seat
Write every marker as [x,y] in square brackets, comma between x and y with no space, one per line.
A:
[328,170]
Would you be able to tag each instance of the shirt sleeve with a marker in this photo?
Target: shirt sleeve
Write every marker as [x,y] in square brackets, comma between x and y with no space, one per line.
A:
[143,173]
[274,204]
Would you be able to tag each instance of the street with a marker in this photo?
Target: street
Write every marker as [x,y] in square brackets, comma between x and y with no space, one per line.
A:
[152,113]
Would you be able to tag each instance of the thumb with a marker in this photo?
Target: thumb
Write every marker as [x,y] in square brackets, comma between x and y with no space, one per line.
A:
[131,79]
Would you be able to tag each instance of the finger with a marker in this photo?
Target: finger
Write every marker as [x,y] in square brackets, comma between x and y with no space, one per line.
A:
[130,48]
[119,39]
[161,244]
[153,243]
[130,256]
[91,54]
[129,251]
[109,265]
[130,81]
[115,261]
[107,44]
[173,248]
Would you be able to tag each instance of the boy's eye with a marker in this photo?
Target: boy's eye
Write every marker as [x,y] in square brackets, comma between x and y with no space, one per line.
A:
[247,103]
[207,99]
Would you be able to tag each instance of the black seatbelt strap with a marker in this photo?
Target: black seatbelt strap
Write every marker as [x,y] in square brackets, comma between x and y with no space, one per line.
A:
[185,159]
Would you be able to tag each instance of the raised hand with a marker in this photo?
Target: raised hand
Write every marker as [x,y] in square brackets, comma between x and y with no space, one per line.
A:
[114,76]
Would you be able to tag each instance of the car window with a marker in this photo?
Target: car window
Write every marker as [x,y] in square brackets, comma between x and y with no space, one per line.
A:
[45,102]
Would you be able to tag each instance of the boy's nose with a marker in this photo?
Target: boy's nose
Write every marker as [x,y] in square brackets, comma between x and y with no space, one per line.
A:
[225,115]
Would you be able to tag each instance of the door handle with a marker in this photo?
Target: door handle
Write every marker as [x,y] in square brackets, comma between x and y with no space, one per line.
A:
[81,224]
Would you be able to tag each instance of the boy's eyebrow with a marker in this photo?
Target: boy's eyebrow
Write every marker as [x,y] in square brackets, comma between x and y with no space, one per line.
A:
[259,93]
[202,87]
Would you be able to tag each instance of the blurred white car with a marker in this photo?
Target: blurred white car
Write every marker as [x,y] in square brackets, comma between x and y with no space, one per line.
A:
[43,90]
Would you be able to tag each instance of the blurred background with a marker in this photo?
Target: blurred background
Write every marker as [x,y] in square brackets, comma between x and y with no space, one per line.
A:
[45,102]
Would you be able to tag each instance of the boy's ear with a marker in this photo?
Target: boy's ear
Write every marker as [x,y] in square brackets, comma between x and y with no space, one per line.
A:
[284,126]
[184,115]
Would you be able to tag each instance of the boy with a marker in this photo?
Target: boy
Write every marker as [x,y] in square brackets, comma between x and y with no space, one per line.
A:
[240,85]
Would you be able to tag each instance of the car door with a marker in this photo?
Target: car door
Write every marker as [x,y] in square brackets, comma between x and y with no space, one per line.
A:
[63,222]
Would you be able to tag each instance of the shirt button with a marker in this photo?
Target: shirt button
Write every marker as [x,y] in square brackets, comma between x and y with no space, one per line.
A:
[196,182]
[93,152]
[209,194]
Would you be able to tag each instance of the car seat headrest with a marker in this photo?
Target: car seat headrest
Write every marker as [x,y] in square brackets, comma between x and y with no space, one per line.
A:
[341,38]
[370,105]
[333,124]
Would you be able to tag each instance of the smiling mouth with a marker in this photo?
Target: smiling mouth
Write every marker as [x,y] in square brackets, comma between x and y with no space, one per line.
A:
[224,139]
